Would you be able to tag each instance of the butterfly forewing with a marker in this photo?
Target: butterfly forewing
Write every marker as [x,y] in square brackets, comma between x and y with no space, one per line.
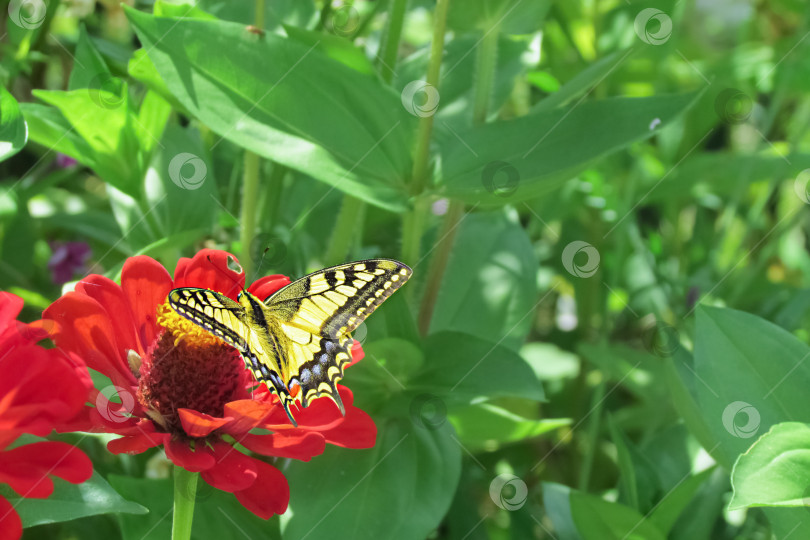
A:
[333,302]
[213,311]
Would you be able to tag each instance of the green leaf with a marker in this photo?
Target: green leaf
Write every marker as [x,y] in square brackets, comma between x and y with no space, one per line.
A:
[775,471]
[89,68]
[13,130]
[72,501]
[511,161]
[489,288]
[479,426]
[581,82]
[279,111]
[598,519]
[217,514]
[335,47]
[460,368]
[672,506]
[628,487]
[103,118]
[557,500]
[508,16]
[401,488]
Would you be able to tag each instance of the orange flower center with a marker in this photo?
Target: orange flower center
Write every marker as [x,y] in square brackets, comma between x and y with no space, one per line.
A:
[188,368]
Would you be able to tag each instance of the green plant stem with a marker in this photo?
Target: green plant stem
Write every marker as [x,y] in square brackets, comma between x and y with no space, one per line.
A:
[272,196]
[438,264]
[345,230]
[258,16]
[250,195]
[593,435]
[390,45]
[185,489]
[413,222]
[486,63]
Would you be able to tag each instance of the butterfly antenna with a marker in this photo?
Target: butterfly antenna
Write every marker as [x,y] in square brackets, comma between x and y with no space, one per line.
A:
[235,282]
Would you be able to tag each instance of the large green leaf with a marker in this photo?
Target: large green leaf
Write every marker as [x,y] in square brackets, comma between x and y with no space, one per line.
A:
[776,469]
[13,130]
[286,101]
[89,68]
[460,368]
[400,489]
[217,514]
[490,286]
[480,425]
[598,519]
[72,501]
[509,161]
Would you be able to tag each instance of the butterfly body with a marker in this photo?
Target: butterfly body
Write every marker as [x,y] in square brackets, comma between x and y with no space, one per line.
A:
[301,335]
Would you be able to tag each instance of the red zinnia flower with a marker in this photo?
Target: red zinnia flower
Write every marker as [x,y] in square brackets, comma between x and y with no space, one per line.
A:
[39,390]
[183,388]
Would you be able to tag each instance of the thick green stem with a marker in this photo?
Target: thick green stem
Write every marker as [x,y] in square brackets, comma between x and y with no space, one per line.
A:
[414,221]
[441,255]
[390,45]
[345,230]
[250,196]
[185,491]
[485,79]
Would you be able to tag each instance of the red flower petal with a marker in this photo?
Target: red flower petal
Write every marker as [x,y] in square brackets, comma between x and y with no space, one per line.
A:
[84,329]
[141,438]
[269,494]
[26,468]
[356,431]
[146,284]
[357,354]
[292,444]
[233,470]
[10,307]
[180,452]
[10,524]
[209,270]
[107,293]
[197,424]
[266,286]
[246,414]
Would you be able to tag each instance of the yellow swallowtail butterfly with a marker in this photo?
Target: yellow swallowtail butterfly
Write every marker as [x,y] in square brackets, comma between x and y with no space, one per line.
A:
[301,334]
